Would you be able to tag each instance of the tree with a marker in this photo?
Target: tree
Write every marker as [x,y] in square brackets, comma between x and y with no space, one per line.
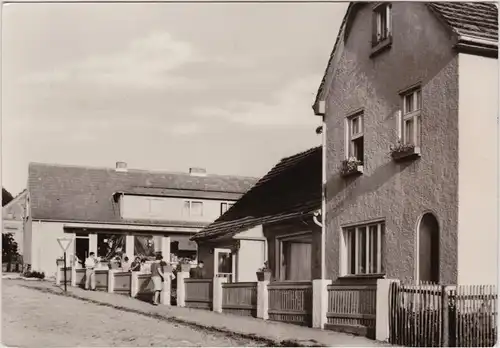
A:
[9,249]
[6,197]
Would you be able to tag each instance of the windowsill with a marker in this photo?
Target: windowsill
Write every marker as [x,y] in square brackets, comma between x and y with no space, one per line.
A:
[381,46]
[406,155]
[356,170]
[364,276]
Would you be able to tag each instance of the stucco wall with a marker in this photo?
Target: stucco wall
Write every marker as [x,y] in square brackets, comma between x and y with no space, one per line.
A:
[478,170]
[207,257]
[16,229]
[138,207]
[250,257]
[399,193]
[27,245]
[46,249]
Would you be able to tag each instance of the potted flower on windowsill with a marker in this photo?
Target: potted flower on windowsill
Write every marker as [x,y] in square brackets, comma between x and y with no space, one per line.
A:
[351,166]
[264,273]
[401,151]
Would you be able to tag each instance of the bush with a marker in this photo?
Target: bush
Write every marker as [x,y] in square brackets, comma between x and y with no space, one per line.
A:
[34,274]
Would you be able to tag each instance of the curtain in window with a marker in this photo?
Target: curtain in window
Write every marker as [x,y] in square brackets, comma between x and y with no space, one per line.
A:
[144,246]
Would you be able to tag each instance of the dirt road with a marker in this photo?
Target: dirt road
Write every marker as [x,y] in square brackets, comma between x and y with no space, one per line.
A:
[35,319]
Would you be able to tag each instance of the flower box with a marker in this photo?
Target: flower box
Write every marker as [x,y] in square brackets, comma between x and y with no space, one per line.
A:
[351,166]
[263,275]
[403,152]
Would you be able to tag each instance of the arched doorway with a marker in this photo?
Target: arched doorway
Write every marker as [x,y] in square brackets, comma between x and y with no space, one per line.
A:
[428,248]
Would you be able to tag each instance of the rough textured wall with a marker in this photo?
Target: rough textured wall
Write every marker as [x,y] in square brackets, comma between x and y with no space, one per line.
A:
[400,193]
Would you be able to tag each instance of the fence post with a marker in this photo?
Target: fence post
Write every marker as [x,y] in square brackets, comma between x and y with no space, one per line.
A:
[134,284]
[320,302]
[181,288]
[445,316]
[58,275]
[111,280]
[165,292]
[217,294]
[73,276]
[382,309]
[262,300]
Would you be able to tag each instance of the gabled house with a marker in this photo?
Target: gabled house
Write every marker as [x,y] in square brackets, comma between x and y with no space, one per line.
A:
[13,214]
[120,210]
[274,221]
[409,103]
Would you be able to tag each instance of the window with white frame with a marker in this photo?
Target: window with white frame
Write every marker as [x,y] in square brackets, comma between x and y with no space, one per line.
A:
[410,120]
[382,23]
[363,249]
[225,207]
[193,208]
[355,139]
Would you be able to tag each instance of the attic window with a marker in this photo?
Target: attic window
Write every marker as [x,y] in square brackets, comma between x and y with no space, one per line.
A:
[381,27]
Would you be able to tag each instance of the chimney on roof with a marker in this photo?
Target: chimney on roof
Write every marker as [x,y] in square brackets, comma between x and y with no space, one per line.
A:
[121,166]
[197,171]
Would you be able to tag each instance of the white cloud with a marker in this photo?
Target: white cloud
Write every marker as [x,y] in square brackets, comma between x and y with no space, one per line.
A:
[289,106]
[146,63]
[185,128]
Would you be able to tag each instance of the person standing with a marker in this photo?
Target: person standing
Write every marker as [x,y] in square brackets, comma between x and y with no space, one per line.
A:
[125,264]
[90,265]
[198,272]
[136,265]
[157,276]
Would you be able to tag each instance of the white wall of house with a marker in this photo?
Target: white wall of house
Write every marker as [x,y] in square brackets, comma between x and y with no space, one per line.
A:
[251,255]
[478,174]
[44,246]
[167,208]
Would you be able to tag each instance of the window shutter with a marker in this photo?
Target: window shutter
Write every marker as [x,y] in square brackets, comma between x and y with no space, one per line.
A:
[374,28]
[399,124]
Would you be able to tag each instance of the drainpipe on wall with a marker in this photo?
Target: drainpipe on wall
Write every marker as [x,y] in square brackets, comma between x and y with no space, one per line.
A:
[323,199]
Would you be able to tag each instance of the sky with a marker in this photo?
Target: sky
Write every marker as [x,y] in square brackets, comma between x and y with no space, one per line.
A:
[226,87]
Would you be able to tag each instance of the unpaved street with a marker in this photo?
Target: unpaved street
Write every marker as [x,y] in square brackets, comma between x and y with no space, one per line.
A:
[35,319]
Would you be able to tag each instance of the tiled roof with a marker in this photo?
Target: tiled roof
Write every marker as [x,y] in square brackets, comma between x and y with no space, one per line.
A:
[477,19]
[73,193]
[292,188]
[474,19]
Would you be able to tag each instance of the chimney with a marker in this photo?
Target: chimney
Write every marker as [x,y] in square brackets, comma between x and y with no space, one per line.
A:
[121,166]
[197,171]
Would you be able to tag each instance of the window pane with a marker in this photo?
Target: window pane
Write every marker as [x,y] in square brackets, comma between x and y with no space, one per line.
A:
[373,249]
[110,245]
[362,251]
[144,246]
[358,148]
[417,125]
[196,208]
[408,132]
[225,263]
[223,208]
[355,126]
[418,94]
[351,247]
[185,209]
[408,107]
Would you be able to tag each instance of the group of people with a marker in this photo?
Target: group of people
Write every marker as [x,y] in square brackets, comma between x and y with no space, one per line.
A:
[139,265]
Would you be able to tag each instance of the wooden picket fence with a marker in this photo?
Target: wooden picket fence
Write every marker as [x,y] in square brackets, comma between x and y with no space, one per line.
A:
[431,315]
[352,309]
[199,293]
[291,302]
[240,298]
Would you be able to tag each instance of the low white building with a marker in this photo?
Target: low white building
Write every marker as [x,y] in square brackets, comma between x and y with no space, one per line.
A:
[120,210]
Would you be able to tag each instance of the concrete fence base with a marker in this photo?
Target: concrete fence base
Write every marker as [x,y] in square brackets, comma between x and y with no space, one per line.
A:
[319,297]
